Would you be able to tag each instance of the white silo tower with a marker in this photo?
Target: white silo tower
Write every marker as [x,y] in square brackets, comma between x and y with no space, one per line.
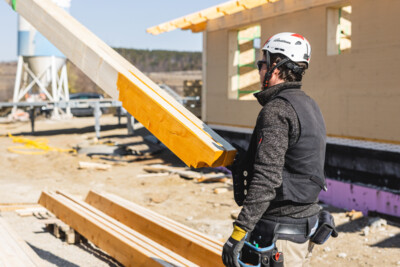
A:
[41,71]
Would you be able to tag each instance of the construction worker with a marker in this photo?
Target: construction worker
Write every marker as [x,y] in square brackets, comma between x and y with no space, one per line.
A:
[279,178]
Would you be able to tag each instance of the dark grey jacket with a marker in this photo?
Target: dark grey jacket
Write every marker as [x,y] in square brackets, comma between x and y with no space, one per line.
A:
[277,129]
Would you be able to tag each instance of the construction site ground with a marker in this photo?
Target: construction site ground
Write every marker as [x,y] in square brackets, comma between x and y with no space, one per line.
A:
[363,241]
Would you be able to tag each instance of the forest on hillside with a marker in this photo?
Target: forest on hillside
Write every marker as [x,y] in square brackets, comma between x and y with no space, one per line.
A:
[162,60]
[144,60]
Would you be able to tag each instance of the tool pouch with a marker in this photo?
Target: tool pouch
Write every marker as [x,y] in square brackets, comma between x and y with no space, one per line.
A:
[326,228]
[260,257]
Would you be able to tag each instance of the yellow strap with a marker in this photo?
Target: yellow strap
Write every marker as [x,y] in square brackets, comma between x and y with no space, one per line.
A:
[33,147]
[238,233]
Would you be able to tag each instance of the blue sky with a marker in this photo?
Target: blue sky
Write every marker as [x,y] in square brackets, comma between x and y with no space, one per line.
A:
[120,23]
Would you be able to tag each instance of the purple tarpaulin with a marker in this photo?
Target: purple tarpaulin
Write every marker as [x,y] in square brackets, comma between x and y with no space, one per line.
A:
[361,198]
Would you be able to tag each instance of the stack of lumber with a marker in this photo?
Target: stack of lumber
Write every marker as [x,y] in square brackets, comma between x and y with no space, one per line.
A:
[132,234]
[14,252]
[181,239]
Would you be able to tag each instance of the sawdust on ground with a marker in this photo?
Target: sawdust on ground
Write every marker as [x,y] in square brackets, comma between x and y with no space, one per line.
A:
[24,177]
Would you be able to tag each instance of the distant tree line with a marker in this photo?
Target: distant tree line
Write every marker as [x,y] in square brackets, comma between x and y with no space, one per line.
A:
[144,60]
[162,60]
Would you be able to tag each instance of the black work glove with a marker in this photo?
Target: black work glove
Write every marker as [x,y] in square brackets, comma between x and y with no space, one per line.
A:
[232,247]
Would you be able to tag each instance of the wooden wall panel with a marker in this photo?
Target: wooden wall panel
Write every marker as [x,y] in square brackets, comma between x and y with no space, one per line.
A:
[357,92]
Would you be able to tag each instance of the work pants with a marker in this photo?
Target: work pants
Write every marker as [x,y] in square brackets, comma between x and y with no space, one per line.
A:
[294,254]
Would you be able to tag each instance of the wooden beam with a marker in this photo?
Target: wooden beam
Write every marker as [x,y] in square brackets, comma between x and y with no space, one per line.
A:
[123,229]
[157,217]
[183,133]
[264,11]
[187,242]
[14,252]
[125,245]
[95,196]
[193,21]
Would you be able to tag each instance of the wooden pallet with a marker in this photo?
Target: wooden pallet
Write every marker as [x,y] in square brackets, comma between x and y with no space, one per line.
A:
[63,231]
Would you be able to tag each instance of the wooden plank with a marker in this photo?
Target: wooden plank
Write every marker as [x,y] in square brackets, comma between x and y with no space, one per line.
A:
[14,252]
[17,206]
[121,228]
[188,243]
[157,217]
[90,212]
[214,178]
[126,231]
[194,20]
[148,218]
[120,244]
[188,174]
[30,211]
[94,165]
[181,172]
[162,252]
[263,12]
[184,134]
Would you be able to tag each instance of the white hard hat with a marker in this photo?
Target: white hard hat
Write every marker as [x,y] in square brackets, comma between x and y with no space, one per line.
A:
[292,45]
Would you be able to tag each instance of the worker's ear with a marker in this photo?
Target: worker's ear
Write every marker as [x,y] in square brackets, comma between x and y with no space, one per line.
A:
[276,71]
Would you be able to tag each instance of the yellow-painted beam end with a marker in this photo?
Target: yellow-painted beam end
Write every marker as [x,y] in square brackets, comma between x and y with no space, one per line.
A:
[172,132]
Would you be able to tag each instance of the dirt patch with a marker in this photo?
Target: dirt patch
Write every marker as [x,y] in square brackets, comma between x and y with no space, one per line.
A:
[24,177]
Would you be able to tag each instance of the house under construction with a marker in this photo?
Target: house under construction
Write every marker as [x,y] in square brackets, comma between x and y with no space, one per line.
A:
[351,76]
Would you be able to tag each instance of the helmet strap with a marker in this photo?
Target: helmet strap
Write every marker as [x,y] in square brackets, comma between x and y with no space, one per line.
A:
[268,74]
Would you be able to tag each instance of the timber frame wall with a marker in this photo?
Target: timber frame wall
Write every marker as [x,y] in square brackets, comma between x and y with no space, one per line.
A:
[357,91]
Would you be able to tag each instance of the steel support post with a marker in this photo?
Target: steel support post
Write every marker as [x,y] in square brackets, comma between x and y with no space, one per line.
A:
[130,124]
[97,114]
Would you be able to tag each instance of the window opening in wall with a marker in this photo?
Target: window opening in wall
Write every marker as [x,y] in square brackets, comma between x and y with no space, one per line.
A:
[244,50]
[339,30]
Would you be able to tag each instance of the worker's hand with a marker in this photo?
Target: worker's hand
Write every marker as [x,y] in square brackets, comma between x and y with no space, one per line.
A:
[232,247]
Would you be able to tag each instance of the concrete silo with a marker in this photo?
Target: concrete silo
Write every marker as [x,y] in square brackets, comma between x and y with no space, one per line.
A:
[41,72]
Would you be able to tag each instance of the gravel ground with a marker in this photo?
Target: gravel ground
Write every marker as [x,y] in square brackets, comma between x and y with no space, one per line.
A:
[24,177]
[54,251]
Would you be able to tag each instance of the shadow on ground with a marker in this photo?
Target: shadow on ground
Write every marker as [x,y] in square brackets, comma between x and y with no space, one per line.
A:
[353,226]
[99,254]
[357,225]
[50,257]
[392,242]
[87,129]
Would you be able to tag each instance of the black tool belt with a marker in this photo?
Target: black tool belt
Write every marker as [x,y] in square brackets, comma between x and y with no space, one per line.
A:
[271,228]
[317,229]
[254,255]
[260,249]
